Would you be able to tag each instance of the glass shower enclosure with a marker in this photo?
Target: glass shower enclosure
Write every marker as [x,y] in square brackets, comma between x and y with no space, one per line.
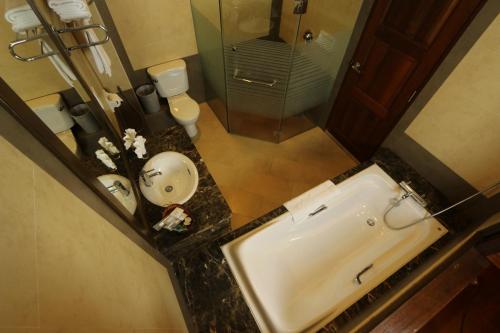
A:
[270,65]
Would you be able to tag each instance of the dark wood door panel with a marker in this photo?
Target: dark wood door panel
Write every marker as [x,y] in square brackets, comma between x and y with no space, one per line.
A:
[355,131]
[401,46]
[387,70]
[419,21]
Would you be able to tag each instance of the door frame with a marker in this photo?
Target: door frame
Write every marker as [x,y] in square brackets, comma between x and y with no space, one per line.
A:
[353,48]
[359,27]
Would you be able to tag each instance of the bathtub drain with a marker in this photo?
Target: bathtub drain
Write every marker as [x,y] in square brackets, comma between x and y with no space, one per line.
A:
[371,222]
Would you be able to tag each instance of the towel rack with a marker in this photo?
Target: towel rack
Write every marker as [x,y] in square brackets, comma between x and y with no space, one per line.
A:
[14,44]
[237,77]
[85,27]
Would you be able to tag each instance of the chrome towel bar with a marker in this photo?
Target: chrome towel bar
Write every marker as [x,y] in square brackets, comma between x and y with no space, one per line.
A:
[86,27]
[253,80]
[14,44]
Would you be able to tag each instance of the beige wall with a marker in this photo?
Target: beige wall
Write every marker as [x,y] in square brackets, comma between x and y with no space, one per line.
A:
[460,124]
[245,20]
[327,15]
[154,31]
[65,269]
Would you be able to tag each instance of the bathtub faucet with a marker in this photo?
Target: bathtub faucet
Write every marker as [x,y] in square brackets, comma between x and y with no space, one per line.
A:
[410,193]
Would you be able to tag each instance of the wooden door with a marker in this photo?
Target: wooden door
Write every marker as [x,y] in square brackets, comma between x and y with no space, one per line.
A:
[401,46]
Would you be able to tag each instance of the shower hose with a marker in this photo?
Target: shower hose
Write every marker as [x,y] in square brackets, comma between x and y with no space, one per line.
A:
[395,202]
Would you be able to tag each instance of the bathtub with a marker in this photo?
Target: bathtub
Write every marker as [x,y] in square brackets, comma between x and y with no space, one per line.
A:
[298,274]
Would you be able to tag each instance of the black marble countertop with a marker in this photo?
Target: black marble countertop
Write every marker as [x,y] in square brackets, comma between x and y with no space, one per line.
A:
[212,294]
[210,212]
[208,208]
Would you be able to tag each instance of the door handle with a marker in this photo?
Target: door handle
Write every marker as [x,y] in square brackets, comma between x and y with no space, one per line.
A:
[356,67]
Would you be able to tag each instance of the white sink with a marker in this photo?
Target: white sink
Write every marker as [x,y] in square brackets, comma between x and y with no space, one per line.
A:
[127,200]
[168,178]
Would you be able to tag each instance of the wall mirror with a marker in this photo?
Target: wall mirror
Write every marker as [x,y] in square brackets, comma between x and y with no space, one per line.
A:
[58,71]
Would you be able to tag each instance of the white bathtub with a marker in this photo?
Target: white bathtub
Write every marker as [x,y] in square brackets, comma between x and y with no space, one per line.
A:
[297,275]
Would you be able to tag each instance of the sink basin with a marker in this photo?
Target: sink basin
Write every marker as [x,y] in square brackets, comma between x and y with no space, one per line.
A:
[173,179]
[128,201]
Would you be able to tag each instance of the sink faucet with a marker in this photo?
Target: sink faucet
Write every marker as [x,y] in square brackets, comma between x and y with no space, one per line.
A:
[146,176]
[119,187]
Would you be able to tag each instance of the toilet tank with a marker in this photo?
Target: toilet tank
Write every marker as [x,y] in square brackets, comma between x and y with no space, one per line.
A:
[170,78]
[53,112]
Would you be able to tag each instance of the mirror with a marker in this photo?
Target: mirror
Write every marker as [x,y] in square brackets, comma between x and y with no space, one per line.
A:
[72,98]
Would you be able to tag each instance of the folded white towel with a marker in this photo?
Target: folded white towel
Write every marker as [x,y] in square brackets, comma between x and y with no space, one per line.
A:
[21,18]
[101,58]
[61,67]
[301,206]
[70,10]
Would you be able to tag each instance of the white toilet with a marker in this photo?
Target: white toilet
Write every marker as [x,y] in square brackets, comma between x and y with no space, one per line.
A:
[171,82]
[54,113]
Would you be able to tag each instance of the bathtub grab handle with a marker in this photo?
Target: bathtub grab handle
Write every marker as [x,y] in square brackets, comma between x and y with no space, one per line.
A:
[318,210]
[363,271]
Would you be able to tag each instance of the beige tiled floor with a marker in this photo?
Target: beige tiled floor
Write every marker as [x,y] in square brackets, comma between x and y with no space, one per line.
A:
[257,176]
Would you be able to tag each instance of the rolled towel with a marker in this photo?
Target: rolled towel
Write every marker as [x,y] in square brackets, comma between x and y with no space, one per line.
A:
[101,58]
[20,16]
[70,10]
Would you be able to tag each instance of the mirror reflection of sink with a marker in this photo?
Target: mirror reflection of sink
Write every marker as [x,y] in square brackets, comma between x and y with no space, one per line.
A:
[120,191]
[168,178]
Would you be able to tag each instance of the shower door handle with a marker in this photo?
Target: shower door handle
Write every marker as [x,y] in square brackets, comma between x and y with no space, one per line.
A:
[253,81]
[300,7]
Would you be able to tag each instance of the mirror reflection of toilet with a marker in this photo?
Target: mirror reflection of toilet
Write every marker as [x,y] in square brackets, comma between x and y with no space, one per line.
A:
[54,113]
[171,82]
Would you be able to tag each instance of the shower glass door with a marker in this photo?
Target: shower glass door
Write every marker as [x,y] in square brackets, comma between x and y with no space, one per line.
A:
[257,64]
[319,47]
[277,61]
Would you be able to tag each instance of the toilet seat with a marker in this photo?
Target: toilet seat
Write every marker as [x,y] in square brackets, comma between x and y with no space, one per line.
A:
[183,107]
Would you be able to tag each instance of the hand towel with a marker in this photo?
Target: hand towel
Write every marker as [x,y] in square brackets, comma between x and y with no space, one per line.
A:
[301,206]
[59,65]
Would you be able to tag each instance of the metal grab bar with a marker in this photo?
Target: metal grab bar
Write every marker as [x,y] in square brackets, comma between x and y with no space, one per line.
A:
[363,271]
[252,80]
[318,210]
[14,44]
[85,27]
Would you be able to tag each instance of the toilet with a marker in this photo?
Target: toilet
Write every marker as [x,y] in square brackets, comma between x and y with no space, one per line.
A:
[171,82]
[54,113]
